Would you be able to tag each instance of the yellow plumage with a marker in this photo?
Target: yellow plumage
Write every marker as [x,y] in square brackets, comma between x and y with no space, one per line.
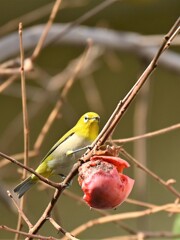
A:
[62,156]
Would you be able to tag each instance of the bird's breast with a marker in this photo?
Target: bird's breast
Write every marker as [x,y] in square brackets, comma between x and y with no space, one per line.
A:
[62,162]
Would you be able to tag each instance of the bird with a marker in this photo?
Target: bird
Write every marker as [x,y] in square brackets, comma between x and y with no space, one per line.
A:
[61,157]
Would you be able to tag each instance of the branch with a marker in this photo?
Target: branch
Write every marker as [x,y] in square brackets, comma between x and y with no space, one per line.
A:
[46,29]
[25,124]
[147,235]
[45,180]
[148,135]
[7,83]
[59,228]
[3,227]
[119,41]
[118,217]
[17,156]
[79,199]
[167,184]
[20,211]
[46,213]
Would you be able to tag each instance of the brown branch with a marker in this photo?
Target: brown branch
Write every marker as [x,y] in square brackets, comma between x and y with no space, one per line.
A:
[3,227]
[46,213]
[152,174]
[20,211]
[17,156]
[127,42]
[100,211]
[7,83]
[148,135]
[146,235]
[24,103]
[7,68]
[46,29]
[35,15]
[120,216]
[25,123]
[82,19]
[172,209]
[45,180]
[59,228]
[26,18]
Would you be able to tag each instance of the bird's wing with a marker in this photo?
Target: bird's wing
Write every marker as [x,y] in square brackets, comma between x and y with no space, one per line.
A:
[61,140]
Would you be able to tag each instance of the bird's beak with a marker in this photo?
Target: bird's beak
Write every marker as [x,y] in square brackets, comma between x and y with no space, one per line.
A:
[96,119]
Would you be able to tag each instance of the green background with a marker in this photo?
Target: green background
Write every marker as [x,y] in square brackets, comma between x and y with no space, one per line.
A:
[145,17]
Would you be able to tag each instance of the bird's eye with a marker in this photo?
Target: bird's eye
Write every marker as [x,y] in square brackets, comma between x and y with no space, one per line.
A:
[86,119]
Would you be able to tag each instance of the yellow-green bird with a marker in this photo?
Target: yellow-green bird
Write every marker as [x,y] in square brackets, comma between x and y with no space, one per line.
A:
[61,157]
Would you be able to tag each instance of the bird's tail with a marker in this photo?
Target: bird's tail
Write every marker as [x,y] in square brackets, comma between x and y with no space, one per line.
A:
[24,186]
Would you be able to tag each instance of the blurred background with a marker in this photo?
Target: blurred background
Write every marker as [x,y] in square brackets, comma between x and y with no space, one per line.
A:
[126,34]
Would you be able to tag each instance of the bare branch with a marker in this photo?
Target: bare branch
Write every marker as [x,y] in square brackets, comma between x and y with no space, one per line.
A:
[20,211]
[17,156]
[25,125]
[152,174]
[45,180]
[148,135]
[120,41]
[46,29]
[3,227]
[120,216]
[59,228]
[7,83]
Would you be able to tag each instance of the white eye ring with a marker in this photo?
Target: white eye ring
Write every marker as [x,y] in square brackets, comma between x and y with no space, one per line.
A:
[86,119]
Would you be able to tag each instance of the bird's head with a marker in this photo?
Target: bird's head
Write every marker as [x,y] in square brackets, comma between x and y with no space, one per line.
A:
[88,125]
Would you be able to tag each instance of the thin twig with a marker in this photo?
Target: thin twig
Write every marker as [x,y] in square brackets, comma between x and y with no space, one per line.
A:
[46,213]
[3,227]
[100,211]
[120,216]
[24,103]
[152,174]
[148,135]
[20,211]
[17,156]
[35,15]
[45,180]
[25,124]
[127,42]
[26,18]
[150,205]
[146,235]
[81,20]
[46,29]
[7,83]
[59,228]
